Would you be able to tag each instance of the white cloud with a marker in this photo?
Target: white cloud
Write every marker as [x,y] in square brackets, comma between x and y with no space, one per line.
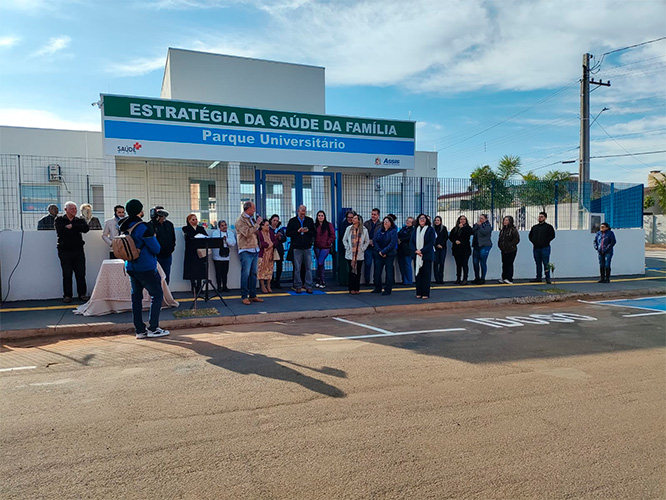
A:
[16,117]
[9,41]
[138,67]
[55,44]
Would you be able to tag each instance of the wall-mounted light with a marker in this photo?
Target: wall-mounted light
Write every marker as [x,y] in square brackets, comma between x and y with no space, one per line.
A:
[213,165]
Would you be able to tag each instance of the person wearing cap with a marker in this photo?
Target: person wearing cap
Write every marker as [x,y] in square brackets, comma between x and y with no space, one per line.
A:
[143,272]
[166,237]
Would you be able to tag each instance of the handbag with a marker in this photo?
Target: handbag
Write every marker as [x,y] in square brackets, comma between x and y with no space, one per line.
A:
[224,252]
[276,254]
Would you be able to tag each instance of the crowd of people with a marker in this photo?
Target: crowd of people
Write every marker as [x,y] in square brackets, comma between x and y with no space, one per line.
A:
[366,249]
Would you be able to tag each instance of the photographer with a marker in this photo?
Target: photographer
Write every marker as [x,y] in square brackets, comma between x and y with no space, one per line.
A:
[166,237]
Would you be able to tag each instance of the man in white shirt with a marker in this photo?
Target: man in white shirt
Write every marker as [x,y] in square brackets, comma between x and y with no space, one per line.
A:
[111,229]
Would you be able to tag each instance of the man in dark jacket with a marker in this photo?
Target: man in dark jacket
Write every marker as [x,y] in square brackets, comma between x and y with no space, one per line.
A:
[373,225]
[541,235]
[166,237]
[301,229]
[47,223]
[143,271]
[69,229]
[404,252]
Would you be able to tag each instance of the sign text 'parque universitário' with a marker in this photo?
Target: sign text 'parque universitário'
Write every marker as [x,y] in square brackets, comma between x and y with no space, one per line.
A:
[160,128]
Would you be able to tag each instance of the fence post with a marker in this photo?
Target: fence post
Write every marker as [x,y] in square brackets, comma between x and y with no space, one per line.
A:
[492,202]
[557,185]
[421,197]
[612,205]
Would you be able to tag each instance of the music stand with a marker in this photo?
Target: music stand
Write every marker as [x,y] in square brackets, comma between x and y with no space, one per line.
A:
[208,243]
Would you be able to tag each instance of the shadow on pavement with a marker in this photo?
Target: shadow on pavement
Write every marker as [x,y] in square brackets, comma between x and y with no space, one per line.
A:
[247,363]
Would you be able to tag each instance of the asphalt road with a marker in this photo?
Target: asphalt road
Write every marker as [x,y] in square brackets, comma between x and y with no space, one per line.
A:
[566,404]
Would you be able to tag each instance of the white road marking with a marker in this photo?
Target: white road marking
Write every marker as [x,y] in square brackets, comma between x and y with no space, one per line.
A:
[656,313]
[55,382]
[17,368]
[374,328]
[385,333]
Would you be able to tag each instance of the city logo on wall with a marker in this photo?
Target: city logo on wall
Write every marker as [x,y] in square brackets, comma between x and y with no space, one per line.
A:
[387,161]
[130,150]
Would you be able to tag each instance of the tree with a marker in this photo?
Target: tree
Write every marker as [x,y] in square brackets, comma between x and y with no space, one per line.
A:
[492,189]
[660,191]
[648,202]
[541,191]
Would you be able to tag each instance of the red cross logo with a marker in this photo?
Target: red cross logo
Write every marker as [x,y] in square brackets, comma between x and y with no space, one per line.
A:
[137,145]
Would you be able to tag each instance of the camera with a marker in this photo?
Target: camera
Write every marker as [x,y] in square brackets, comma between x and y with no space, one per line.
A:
[158,212]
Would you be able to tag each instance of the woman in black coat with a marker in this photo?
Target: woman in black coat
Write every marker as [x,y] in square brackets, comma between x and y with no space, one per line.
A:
[440,249]
[422,246]
[194,267]
[461,249]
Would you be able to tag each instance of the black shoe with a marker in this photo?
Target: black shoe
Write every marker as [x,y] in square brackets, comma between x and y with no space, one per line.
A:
[66,299]
[536,280]
[225,289]
[386,292]
[481,282]
[458,282]
[84,298]
[463,282]
[548,282]
[376,290]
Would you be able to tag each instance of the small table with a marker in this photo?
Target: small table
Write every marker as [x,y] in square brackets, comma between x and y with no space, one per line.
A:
[113,291]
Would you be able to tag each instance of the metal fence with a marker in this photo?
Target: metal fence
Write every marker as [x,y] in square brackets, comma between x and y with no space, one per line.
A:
[28,184]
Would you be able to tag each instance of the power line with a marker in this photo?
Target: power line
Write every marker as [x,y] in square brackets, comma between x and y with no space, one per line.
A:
[632,154]
[633,46]
[615,141]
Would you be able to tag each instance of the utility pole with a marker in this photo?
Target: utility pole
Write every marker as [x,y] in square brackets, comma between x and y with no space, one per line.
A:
[584,154]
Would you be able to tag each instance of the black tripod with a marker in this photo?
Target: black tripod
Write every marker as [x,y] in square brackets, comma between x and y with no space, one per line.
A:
[207,284]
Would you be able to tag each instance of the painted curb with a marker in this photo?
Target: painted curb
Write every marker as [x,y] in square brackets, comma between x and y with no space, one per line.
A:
[107,328]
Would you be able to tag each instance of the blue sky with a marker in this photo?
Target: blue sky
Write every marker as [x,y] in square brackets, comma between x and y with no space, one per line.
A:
[481,78]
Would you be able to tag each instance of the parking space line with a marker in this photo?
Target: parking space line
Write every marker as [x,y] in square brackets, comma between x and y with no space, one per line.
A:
[385,333]
[656,313]
[17,368]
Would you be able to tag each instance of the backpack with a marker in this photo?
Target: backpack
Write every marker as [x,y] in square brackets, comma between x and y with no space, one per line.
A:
[123,246]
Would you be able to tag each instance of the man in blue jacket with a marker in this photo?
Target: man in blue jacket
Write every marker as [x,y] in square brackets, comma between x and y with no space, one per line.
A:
[143,271]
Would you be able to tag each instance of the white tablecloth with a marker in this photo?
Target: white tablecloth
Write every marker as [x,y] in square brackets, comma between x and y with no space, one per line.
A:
[113,291]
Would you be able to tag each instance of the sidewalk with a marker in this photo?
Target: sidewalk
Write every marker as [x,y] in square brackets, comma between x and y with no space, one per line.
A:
[53,318]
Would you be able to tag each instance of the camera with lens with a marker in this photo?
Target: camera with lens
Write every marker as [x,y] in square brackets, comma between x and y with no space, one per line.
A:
[156,212]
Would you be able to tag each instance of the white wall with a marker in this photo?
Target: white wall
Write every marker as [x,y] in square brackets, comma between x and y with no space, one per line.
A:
[39,277]
[244,82]
[50,142]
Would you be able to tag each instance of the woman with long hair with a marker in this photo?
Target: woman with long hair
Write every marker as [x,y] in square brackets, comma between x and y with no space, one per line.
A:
[604,241]
[440,249]
[194,266]
[267,240]
[355,241]
[481,245]
[508,244]
[280,238]
[324,239]
[461,249]
[386,246]
[423,249]
[221,255]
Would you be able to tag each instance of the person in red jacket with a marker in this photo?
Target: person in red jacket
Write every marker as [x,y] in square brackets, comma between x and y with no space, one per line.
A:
[324,239]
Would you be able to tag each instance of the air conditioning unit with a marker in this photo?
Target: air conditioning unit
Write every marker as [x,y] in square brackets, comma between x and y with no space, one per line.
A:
[55,174]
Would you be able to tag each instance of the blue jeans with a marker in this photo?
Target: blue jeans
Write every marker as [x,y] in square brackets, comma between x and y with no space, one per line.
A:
[151,281]
[480,258]
[321,254]
[438,263]
[166,266]
[380,264]
[605,259]
[248,274]
[542,258]
[368,259]
[405,264]
[303,258]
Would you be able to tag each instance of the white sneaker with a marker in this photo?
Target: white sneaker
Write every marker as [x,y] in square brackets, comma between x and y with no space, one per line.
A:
[508,282]
[158,332]
[501,281]
[141,335]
